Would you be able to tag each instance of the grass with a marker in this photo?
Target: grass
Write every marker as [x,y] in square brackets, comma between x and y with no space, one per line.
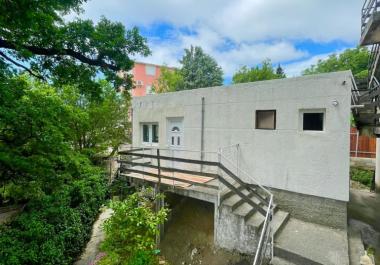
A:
[362,176]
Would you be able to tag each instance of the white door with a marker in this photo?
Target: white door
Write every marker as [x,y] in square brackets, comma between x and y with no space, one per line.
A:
[175,132]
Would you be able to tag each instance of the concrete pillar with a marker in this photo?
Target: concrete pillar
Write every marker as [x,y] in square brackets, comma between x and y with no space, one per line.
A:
[377,171]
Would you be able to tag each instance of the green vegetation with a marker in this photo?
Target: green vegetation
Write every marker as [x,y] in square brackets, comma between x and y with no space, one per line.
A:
[57,119]
[132,229]
[258,73]
[170,80]
[362,175]
[197,70]
[355,60]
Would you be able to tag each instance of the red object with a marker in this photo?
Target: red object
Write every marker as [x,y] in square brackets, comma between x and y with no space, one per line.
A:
[361,145]
[144,76]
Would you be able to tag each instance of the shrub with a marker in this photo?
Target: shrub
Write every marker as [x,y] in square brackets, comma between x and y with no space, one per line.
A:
[362,175]
[54,228]
[131,231]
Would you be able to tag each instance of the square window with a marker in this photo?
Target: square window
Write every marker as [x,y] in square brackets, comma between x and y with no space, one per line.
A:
[146,133]
[150,70]
[313,121]
[266,119]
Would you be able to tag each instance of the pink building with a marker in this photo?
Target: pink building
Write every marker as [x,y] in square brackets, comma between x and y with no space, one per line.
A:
[144,76]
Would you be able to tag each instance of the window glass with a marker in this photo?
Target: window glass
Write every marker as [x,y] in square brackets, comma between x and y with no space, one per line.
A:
[175,129]
[266,119]
[150,70]
[155,133]
[172,140]
[178,140]
[145,133]
[313,121]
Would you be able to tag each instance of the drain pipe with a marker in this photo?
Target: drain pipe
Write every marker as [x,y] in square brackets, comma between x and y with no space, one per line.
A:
[202,132]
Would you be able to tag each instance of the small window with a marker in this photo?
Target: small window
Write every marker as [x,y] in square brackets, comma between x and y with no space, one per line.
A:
[155,133]
[146,133]
[266,119]
[150,133]
[175,129]
[150,70]
[313,121]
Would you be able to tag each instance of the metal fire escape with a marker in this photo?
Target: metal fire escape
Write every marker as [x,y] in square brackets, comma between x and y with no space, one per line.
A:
[366,93]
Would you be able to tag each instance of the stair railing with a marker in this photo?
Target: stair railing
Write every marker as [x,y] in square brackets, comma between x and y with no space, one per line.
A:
[369,7]
[262,253]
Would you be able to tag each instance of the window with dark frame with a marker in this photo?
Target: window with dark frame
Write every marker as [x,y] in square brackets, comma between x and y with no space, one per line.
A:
[145,133]
[313,121]
[155,133]
[265,119]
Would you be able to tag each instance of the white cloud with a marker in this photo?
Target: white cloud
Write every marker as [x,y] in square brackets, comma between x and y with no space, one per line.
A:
[239,32]
[242,20]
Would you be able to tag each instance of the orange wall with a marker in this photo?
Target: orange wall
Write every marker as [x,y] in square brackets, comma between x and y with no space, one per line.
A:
[139,74]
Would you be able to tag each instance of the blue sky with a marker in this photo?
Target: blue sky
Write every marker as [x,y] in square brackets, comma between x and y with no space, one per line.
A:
[293,33]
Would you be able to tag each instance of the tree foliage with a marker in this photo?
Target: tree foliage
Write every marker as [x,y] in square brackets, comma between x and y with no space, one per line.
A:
[34,33]
[258,73]
[199,69]
[132,229]
[170,80]
[355,60]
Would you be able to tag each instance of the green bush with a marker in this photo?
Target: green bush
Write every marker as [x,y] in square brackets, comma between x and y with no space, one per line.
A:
[131,231]
[54,228]
[362,175]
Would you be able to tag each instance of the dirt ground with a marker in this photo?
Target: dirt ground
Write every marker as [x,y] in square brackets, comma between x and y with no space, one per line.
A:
[189,236]
[364,206]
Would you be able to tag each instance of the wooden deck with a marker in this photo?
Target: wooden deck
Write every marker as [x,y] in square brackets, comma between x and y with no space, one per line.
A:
[170,178]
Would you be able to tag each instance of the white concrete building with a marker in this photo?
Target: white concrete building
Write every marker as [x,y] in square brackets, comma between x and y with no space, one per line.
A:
[293,133]
[290,135]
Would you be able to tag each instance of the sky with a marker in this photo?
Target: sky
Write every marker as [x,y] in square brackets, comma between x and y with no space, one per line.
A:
[293,33]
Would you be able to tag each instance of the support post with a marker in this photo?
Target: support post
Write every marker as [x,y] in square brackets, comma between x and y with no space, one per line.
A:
[158,169]
[377,170]
[202,131]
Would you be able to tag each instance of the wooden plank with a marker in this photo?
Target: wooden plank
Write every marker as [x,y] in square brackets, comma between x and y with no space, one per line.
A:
[184,180]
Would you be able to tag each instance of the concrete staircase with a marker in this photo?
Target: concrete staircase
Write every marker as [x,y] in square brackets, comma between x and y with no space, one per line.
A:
[252,217]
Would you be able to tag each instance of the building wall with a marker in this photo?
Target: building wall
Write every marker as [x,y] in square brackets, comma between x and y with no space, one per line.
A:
[287,158]
[140,74]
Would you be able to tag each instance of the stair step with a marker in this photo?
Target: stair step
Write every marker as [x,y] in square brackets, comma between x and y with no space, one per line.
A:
[279,220]
[294,257]
[280,261]
[228,193]
[256,220]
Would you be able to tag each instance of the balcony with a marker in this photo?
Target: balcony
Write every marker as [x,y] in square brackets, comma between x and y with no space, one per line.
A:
[370,29]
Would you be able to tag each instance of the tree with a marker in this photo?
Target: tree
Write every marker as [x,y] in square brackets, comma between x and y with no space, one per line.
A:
[355,60]
[199,69]
[280,72]
[170,80]
[257,73]
[33,33]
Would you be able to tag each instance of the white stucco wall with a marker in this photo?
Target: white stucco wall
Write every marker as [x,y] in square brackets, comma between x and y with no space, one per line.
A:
[314,163]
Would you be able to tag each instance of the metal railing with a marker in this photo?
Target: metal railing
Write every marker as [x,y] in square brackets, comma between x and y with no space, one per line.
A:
[369,7]
[223,164]
[231,156]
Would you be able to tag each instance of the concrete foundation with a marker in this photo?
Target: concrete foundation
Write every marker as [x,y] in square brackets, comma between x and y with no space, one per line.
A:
[313,209]
[377,171]
[363,162]
[232,233]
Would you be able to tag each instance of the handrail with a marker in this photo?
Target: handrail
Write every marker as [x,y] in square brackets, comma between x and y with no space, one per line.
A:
[266,233]
[369,7]
[259,253]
